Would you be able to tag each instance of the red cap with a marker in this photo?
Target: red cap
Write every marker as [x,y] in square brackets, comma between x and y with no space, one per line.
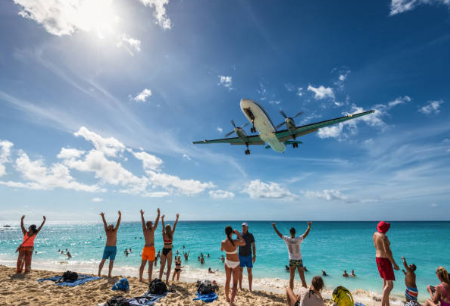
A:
[383,227]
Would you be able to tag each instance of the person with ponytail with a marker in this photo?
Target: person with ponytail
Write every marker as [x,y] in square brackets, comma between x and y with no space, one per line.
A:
[440,294]
[232,263]
[166,254]
[26,248]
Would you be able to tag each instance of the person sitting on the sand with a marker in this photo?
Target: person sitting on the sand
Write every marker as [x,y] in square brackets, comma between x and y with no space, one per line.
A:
[26,248]
[295,254]
[232,263]
[440,293]
[177,271]
[148,252]
[167,254]
[307,297]
[411,292]
[110,250]
[345,273]
[353,273]
[324,273]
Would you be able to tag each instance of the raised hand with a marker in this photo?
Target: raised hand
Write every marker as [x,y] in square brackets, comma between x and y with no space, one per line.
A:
[273,224]
[23,217]
[120,214]
[44,218]
[159,211]
[403,258]
[162,218]
[142,212]
[178,215]
[236,232]
[309,224]
[102,214]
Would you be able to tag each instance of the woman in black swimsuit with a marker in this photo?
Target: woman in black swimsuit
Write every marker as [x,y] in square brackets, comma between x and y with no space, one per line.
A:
[177,271]
[166,254]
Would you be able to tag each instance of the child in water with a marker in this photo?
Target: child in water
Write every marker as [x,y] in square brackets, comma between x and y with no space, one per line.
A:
[411,292]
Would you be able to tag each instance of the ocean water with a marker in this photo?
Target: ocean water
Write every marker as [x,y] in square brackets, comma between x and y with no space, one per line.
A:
[333,246]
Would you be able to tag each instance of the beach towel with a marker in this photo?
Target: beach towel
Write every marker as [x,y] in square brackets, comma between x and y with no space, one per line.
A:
[147,299]
[207,298]
[122,284]
[81,280]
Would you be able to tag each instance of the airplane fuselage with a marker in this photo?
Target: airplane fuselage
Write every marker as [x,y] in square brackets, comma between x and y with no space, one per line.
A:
[261,121]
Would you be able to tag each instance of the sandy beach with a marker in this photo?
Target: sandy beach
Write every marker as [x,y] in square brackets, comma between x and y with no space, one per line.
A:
[26,290]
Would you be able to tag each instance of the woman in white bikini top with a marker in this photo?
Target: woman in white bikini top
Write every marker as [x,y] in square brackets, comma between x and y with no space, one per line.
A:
[232,261]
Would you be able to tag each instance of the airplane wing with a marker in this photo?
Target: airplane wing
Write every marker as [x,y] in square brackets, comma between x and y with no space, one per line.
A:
[252,140]
[313,127]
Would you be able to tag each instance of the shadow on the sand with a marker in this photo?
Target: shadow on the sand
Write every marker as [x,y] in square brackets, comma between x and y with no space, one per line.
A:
[17,276]
[179,289]
[270,296]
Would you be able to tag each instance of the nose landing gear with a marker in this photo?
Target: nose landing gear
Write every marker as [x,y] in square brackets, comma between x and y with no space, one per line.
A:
[247,152]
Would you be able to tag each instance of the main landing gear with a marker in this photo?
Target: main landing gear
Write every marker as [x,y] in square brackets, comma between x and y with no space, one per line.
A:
[295,145]
[247,152]
[253,130]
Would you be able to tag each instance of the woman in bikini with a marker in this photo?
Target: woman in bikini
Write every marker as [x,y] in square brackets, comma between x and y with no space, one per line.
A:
[440,293]
[232,261]
[177,271]
[26,248]
[166,254]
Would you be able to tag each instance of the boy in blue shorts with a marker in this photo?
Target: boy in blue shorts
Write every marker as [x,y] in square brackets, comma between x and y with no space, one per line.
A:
[111,241]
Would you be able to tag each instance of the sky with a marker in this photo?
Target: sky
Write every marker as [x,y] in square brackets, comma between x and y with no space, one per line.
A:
[100,102]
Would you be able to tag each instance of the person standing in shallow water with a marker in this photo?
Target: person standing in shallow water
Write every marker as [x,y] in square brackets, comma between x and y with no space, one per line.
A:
[148,253]
[295,254]
[110,250]
[384,260]
[26,248]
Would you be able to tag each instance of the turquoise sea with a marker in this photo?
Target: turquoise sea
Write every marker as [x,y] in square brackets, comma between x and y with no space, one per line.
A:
[333,246]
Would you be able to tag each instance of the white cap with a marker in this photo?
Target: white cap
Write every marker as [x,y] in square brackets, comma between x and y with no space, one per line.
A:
[245,224]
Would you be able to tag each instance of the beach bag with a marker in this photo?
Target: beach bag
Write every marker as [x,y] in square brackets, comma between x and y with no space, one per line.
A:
[204,287]
[157,286]
[117,301]
[122,285]
[68,276]
[342,297]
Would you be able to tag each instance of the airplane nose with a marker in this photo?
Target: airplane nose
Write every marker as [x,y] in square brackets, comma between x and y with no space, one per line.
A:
[246,102]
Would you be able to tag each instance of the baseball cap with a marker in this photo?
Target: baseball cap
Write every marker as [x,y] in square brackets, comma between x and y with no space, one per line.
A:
[245,224]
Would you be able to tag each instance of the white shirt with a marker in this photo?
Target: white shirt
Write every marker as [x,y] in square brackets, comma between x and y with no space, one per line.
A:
[293,245]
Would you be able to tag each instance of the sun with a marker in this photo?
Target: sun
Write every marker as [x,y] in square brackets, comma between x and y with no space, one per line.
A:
[99,17]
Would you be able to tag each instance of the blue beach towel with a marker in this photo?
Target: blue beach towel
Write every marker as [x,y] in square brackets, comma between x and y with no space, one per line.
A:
[147,299]
[207,298]
[121,284]
[81,280]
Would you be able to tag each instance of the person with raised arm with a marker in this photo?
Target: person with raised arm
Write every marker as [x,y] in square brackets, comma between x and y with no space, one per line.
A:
[411,292]
[295,255]
[110,250]
[232,263]
[26,248]
[167,254]
[148,253]
[384,260]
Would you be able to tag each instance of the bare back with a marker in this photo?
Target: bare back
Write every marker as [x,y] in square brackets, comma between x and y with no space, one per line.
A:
[381,244]
[111,237]
[229,247]
[410,279]
[149,236]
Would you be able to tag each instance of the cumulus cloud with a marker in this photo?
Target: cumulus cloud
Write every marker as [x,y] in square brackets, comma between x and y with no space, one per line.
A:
[41,177]
[174,183]
[149,162]
[321,92]
[259,190]
[67,153]
[109,146]
[97,200]
[221,194]
[160,12]
[226,81]
[401,6]
[5,153]
[125,40]
[329,195]
[143,95]
[432,107]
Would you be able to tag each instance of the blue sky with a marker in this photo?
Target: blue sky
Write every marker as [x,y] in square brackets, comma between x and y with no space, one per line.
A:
[100,101]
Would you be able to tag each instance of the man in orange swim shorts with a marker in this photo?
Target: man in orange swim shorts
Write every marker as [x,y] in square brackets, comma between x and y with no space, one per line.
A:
[148,253]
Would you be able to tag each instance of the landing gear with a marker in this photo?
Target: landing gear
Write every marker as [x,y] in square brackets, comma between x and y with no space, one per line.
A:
[247,152]
[253,130]
[295,145]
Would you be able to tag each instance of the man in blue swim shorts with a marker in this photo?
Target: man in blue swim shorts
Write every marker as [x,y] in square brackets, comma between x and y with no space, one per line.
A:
[245,255]
[110,250]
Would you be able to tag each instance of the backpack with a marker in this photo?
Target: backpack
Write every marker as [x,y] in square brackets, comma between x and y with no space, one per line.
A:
[121,284]
[117,301]
[342,297]
[69,276]
[157,286]
[204,287]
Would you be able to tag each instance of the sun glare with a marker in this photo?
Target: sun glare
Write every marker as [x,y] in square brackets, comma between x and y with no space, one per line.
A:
[98,16]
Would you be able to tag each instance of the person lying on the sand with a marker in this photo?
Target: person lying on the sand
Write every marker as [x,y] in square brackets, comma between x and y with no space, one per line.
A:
[307,297]
[110,250]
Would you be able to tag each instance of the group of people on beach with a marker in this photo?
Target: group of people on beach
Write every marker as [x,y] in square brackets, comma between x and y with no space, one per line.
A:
[240,253]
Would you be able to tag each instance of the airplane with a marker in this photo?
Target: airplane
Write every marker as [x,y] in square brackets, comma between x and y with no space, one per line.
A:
[277,140]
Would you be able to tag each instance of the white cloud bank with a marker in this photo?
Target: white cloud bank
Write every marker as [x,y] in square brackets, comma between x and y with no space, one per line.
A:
[401,6]
[5,152]
[160,12]
[221,194]
[259,190]
[143,95]
[433,107]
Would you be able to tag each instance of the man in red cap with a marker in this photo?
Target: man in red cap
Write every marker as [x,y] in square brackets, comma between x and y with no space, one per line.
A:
[385,260]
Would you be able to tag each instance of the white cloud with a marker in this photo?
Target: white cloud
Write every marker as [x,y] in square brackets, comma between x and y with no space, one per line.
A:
[219,129]
[157,194]
[143,95]
[67,153]
[221,194]
[42,178]
[333,131]
[329,195]
[172,182]
[110,146]
[321,92]
[97,200]
[5,153]
[401,6]
[226,81]
[259,190]
[398,101]
[160,12]
[132,42]
[432,107]
[186,157]
[300,91]
[149,162]
[342,77]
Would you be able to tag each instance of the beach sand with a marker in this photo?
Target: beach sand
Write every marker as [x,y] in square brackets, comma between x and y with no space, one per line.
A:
[25,290]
